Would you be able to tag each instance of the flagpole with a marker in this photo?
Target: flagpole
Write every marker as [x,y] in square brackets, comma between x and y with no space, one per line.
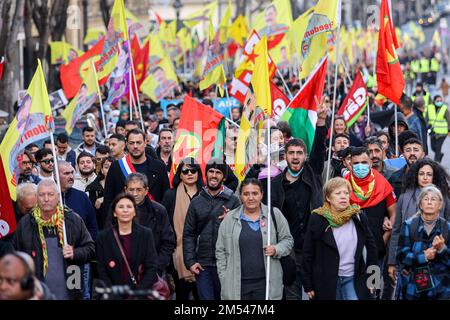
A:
[336,67]
[285,85]
[346,71]
[396,130]
[102,111]
[58,182]
[130,100]
[228,100]
[269,200]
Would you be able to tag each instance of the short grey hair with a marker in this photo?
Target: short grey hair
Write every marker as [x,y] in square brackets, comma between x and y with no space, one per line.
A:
[47,183]
[430,189]
[25,189]
[137,177]
[62,164]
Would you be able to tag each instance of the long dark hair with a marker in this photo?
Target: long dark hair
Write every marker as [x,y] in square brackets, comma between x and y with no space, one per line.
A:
[116,200]
[440,177]
[191,162]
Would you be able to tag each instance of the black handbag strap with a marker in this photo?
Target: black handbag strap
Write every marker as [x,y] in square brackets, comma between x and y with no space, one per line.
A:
[274,222]
[116,236]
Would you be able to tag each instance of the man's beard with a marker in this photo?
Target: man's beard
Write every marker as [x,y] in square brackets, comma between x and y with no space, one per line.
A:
[414,160]
[46,171]
[219,185]
[376,162]
[87,173]
[89,144]
[136,156]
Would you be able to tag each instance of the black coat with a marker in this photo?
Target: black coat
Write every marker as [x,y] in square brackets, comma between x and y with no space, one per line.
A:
[26,238]
[312,174]
[96,191]
[143,253]
[154,216]
[320,264]
[202,225]
[158,181]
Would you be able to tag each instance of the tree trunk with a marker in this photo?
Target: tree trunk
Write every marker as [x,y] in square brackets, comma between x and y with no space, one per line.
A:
[8,48]
[58,19]
[105,8]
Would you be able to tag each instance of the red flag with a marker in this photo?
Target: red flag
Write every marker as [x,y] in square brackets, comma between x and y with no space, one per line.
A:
[196,134]
[7,218]
[389,72]
[140,63]
[2,61]
[355,101]
[312,89]
[279,101]
[135,46]
[70,73]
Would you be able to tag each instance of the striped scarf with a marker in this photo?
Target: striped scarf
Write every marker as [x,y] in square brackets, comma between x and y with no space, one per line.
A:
[57,221]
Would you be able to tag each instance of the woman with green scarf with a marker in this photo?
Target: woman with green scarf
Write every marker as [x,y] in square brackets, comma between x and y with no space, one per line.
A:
[338,248]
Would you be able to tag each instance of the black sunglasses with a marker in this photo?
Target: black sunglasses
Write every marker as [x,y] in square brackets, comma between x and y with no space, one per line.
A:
[47,161]
[186,171]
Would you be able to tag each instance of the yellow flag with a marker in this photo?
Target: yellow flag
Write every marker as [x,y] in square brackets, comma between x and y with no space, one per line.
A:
[116,34]
[260,79]
[213,72]
[86,97]
[437,39]
[161,81]
[239,30]
[225,24]
[204,14]
[156,53]
[240,158]
[275,20]
[30,125]
[132,21]
[63,52]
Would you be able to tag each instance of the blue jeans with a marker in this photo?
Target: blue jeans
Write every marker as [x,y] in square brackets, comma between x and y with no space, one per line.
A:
[345,289]
[86,281]
[208,284]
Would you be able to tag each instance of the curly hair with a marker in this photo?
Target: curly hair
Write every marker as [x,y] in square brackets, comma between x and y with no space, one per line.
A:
[440,177]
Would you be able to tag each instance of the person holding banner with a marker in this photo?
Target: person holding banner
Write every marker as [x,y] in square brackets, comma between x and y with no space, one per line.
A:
[40,234]
[241,248]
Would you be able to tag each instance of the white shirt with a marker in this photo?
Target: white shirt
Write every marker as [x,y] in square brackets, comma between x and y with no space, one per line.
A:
[346,241]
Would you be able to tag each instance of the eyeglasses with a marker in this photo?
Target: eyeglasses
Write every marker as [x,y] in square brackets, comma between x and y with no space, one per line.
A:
[47,161]
[9,281]
[25,163]
[186,171]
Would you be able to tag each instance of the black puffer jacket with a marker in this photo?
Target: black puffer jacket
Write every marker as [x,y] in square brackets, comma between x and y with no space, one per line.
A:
[26,239]
[202,225]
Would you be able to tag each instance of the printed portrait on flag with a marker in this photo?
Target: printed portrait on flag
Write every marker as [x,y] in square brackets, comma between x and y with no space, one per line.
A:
[23,113]
[164,84]
[119,81]
[273,25]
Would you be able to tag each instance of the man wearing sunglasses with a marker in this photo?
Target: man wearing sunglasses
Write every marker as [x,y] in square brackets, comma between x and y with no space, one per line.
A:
[44,157]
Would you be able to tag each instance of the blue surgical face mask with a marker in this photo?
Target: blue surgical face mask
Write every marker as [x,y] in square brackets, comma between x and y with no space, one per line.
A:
[361,170]
[439,103]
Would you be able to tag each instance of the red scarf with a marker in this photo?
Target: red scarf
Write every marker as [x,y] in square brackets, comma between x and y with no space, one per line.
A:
[381,189]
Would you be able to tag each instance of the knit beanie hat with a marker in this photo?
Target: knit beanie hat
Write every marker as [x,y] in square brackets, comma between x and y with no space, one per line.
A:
[218,164]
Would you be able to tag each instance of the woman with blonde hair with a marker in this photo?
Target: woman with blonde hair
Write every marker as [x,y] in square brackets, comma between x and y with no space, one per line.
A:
[334,262]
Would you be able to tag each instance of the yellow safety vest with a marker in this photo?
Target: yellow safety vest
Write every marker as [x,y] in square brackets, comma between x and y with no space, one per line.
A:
[415,66]
[371,81]
[424,66]
[437,121]
[434,65]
